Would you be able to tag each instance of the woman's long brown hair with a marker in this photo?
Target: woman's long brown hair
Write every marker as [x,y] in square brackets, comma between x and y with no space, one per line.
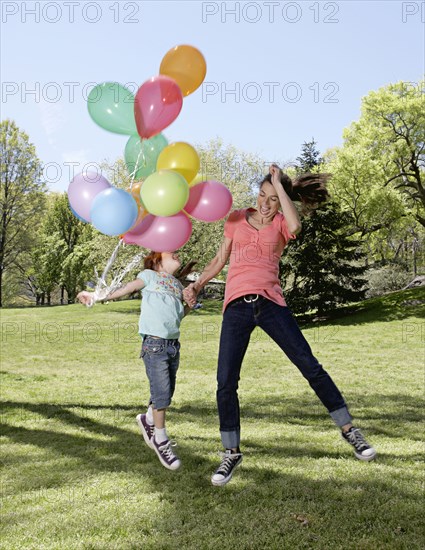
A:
[308,189]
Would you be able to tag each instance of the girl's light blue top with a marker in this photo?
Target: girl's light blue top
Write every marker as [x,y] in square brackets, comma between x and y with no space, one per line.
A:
[162,307]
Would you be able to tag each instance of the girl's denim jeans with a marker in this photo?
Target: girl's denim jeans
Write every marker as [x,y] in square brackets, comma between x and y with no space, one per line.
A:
[161,358]
[239,320]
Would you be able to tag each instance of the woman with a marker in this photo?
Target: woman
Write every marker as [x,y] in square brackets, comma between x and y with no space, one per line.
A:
[254,239]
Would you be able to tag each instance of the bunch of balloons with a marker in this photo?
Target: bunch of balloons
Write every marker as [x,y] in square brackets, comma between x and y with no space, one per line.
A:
[166,189]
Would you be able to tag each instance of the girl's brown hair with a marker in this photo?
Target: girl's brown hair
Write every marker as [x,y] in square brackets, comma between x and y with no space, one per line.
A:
[152,260]
[308,189]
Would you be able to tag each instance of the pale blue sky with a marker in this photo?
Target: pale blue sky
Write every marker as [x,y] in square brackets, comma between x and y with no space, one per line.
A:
[329,54]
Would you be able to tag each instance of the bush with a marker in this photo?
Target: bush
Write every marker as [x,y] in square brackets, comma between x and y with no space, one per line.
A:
[386,279]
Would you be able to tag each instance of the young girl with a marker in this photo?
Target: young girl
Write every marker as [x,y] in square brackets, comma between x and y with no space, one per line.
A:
[159,325]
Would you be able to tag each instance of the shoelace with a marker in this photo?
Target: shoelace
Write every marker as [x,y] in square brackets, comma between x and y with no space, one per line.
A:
[227,462]
[166,449]
[356,439]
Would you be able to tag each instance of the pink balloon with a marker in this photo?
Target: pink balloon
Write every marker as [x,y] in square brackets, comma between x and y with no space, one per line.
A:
[157,104]
[83,189]
[209,201]
[162,234]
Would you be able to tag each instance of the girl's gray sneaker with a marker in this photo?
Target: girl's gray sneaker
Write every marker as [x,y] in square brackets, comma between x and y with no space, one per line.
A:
[166,455]
[146,429]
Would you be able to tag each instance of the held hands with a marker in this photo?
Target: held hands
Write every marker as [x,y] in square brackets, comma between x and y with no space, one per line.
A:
[189,295]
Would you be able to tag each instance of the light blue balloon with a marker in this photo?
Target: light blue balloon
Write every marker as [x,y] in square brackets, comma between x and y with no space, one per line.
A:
[113,211]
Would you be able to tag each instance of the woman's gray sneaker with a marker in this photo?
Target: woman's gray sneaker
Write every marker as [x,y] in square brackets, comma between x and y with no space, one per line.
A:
[224,472]
[362,449]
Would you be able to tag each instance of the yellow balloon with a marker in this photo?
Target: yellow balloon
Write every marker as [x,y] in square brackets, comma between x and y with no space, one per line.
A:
[186,65]
[180,157]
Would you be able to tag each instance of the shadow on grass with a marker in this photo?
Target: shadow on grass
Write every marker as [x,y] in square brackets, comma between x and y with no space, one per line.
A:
[373,409]
[403,412]
[279,497]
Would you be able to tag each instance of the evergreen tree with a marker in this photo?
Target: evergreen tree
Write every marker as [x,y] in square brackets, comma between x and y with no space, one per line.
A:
[310,157]
[323,266]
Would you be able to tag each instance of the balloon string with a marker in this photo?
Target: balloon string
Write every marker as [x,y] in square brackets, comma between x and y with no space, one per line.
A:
[103,290]
[137,167]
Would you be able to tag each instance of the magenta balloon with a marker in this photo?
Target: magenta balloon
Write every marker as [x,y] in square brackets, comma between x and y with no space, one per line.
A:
[161,234]
[157,104]
[209,201]
[83,189]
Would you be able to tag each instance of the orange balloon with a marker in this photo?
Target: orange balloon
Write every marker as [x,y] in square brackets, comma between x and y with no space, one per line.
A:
[135,192]
[186,65]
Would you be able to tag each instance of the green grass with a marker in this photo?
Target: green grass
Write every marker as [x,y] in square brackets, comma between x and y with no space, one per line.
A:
[77,473]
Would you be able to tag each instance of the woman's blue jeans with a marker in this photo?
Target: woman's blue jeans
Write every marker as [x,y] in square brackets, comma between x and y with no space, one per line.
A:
[239,320]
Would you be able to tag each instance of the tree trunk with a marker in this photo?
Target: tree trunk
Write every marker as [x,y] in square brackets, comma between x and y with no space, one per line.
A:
[1,285]
[62,294]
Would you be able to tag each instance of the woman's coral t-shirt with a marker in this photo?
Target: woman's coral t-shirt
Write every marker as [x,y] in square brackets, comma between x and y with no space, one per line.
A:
[254,257]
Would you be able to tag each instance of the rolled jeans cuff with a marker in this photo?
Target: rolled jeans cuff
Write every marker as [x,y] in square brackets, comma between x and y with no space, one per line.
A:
[231,440]
[341,417]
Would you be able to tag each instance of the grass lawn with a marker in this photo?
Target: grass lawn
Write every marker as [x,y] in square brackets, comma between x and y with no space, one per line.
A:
[77,473]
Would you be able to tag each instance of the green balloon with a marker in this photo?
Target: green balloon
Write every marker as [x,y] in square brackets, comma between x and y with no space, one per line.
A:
[144,153]
[164,193]
[111,106]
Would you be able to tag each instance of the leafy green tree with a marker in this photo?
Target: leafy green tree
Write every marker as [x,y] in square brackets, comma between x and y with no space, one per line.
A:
[357,184]
[71,240]
[378,175]
[391,131]
[44,273]
[22,198]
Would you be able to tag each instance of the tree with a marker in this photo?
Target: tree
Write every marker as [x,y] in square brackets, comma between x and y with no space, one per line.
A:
[310,158]
[358,185]
[378,174]
[67,261]
[22,194]
[322,267]
[44,273]
[391,130]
